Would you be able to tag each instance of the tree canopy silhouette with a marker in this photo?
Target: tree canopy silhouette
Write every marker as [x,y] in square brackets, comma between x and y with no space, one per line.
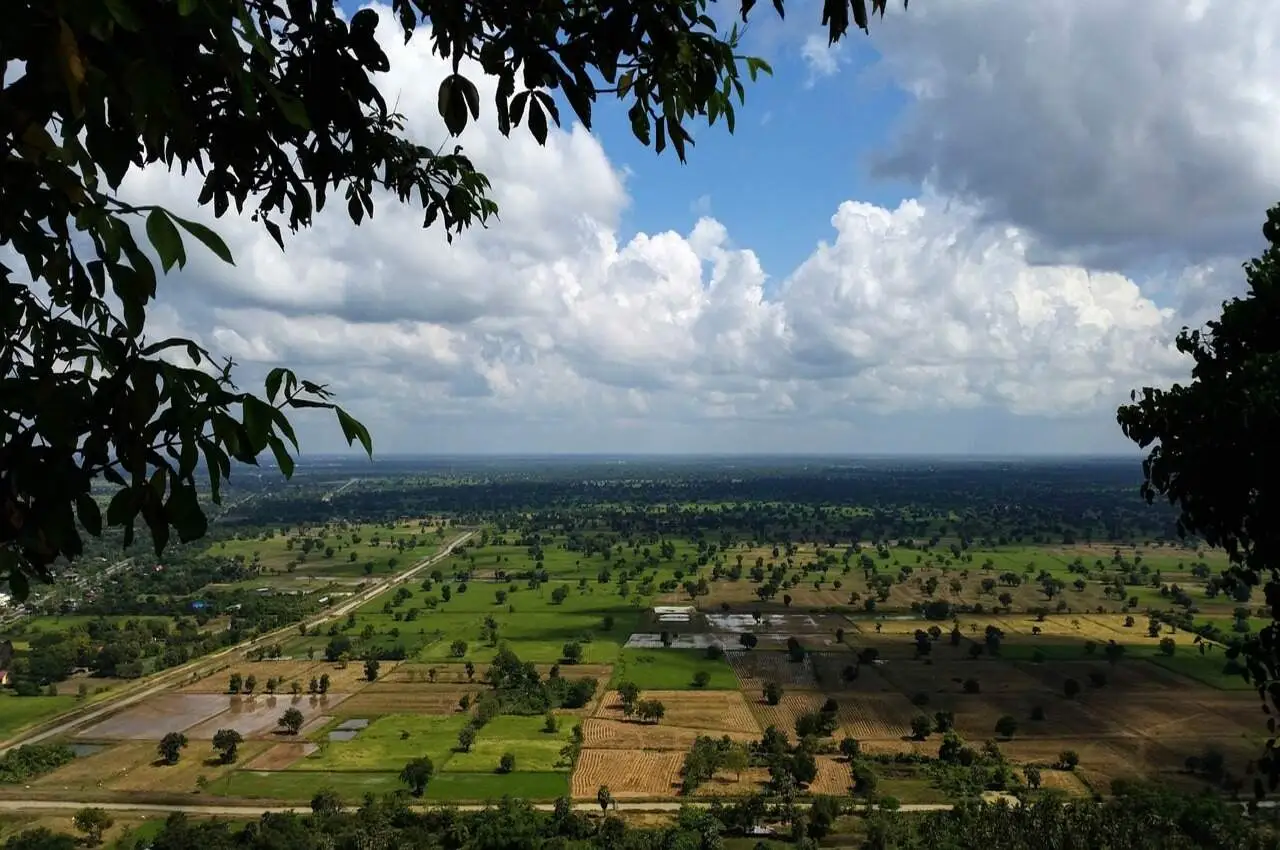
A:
[274,105]
[1214,452]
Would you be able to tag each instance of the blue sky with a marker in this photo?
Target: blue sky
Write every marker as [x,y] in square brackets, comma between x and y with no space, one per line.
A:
[975,230]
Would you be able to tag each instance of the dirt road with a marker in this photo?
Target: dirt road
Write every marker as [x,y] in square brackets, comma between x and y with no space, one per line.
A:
[153,685]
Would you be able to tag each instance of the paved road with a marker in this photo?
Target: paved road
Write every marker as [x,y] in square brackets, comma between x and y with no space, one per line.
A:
[252,812]
[168,678]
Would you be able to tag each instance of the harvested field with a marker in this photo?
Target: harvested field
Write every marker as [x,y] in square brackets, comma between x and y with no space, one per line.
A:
[1073,629]
[715,711]
[784,714]
[380,699]
[286,670]
[833,777]
[939,676]
[755,667]
[624,735]
[976,715]
[1064,781]
[894,746]
[1159,716]
[180,777]
[1134,674]
[1100,756]
[101,767]
[630,774]
[280,756]
[351,678]
[828,670]
[725,784]
[883,716]
[153,717]
[902,628]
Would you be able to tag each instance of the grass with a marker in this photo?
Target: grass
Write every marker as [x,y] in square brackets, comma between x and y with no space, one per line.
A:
[535,750]
[381,746]
[1203,668]
[17,713]
[671,669]
[290,786]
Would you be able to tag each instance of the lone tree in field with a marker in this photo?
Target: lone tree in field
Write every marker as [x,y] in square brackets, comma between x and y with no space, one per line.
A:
[371,668]
[171,746]
[417,774]
[1213,452]
[1007,726]
[772,693]
[291,721]
[921,726]
[628,696]
[93,822]
[466,737]
[604,797]
[274,106]
[227,742]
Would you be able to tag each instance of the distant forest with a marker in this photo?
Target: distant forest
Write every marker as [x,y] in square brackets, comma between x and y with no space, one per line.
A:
[986,502]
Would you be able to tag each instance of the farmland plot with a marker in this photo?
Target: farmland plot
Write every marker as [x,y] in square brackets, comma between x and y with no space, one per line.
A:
[379,699]
[718,711]
[630,774]
[153,717]
[285,670]
[626,735]
[883,716]
[754,668]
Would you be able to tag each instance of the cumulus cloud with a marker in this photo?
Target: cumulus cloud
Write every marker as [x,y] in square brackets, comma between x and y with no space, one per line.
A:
[1112,132]
[553,324]
[822,60]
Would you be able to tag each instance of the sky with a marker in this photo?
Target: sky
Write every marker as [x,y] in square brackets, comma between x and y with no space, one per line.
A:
[973,231]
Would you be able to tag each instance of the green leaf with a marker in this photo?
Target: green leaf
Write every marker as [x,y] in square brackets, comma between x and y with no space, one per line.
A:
[208,238]
[274,378]
[186,7]
[90,516]
[257,421]
[123,507]
[281,452]
[183,511]
[292,109]
[353,430]
[757,66]
[537,121]
[454,100]
[166,239]
[124,14]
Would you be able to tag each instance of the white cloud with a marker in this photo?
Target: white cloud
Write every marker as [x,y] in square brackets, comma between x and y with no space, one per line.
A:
[1113,132]
[822,59]
[554,329]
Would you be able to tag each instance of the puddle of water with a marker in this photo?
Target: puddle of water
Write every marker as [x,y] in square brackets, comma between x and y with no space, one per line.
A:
[352,725]
[343,734]
[83,750]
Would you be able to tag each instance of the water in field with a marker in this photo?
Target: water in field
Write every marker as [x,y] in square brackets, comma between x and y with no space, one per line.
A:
[83,750]
[355,724]
[343,734]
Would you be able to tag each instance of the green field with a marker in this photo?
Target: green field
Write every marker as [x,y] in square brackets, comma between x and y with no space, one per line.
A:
[447,787]
[671,669]
[17,713]
[383,745]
